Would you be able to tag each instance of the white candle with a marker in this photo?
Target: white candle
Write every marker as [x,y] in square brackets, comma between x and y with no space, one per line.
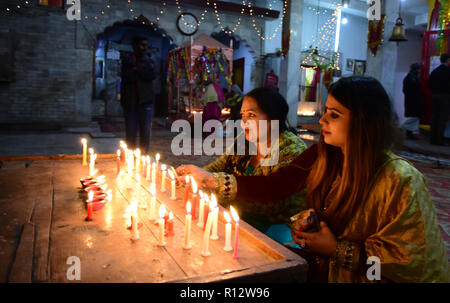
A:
[162,212]
[205,243]
[236,237]
[118,161]
[201,211]
[143,162]
[187,227]
[172,185]
[152,202]
[157,160]
[84,142]
[163,180]
[147,175]
[227,232]
[134,222]
[154,173]
[92,164]
[215,209]
[137,155]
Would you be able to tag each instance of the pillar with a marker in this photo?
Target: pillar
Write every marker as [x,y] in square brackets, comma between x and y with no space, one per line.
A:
[289,79]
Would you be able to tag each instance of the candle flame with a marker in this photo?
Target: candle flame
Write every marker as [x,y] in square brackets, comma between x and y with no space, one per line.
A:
[234,214]
[163,167]
[91,150]
[153,189]
[194,185]
[188,207]
[133,208]
[200,192]
[122,144]
[94,172]
[170,216]
[171,175]
[148,159]
[227,216]
[154,166]
[118,153]
[187,179]
[158,157]
[143,158]
[84,141]
[162,211]
[119,175]
[91,195]
[138,178]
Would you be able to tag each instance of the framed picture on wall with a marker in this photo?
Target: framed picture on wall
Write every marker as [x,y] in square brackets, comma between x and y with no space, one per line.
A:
[360,67]
[349,64]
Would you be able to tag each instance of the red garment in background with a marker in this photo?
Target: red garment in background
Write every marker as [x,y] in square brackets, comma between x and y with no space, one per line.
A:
[271,80]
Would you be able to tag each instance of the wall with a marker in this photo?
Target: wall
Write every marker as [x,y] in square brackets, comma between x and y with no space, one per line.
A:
[53,57]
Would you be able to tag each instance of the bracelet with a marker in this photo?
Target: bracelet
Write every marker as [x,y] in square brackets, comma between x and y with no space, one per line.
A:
[225,186]
[346,255]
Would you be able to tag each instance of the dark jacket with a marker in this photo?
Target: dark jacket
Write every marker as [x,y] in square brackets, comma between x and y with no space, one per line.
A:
[414,97]
[137,77]
[439,81]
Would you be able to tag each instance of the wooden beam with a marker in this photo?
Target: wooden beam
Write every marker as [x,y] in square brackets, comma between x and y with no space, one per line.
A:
[223,6]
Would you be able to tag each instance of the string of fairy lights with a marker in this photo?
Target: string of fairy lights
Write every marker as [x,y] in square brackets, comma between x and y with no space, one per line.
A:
[131,8]
[321,52]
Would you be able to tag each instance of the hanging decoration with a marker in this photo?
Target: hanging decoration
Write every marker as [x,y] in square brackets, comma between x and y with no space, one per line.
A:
[375,35]
[443,24]
[280,25]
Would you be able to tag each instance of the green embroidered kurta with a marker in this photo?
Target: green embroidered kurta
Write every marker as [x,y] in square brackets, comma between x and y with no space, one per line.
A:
[261,215]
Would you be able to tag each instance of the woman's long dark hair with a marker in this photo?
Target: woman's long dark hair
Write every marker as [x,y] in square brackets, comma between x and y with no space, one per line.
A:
[371,132]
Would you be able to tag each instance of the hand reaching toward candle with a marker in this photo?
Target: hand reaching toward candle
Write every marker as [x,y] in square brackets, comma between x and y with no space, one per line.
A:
[203,178]
[322,242]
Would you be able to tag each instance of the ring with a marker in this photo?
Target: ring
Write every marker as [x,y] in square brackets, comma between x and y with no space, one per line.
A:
[303,243]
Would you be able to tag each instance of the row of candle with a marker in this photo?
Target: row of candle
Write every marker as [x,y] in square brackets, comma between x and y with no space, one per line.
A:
[132,160]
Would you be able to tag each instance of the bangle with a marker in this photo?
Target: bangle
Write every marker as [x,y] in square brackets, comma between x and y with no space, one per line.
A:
[225,186]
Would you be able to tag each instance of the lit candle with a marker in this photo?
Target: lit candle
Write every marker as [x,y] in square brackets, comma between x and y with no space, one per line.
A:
[154,173]
[227,232]
[163,180]
[187,227]
[215,209]
[92,164]
[236,237]
[89,206]
[147,175]
[186,193]
[157,160]
[172,185]
[134,222]
[153,202]
[205,243]
[123,146]
[118,161]
[144,162]
[194,198]
[201,211]
[162,212]
[170,225]
[137,155]
[84,142]
[205,205]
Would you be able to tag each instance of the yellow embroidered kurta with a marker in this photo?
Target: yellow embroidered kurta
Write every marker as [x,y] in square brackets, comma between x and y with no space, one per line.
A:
[397,224]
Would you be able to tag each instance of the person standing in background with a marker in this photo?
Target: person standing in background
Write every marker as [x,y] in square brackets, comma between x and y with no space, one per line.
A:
[439,83]
[414,101]
[137,95]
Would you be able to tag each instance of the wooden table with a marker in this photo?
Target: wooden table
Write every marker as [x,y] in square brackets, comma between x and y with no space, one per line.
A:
[42,214]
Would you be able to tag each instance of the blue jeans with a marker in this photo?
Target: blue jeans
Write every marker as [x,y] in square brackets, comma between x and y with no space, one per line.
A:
[139,119]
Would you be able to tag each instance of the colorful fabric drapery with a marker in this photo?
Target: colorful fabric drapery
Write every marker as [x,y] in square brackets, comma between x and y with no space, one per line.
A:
[375,35]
